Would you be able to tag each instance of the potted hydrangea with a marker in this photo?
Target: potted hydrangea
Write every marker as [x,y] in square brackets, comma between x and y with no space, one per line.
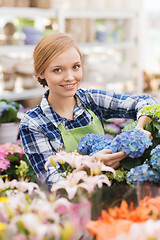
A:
[9,121]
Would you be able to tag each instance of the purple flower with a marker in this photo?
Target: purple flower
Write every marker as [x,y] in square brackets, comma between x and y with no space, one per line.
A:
[142,173]
[133,142]
[155,158]
[112,128]
[4,163]
[91,143]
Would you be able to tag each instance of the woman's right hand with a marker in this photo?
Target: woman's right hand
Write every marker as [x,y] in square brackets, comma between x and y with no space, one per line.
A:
[108,158]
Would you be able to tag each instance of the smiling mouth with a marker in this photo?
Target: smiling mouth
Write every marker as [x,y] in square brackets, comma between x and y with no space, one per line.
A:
[69,86]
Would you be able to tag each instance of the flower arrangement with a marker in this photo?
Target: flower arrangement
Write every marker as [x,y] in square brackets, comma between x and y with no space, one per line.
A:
[152,110]
[153,126]
[14,163]
[29,213]
[9,111]
[128,222]
[79,173]
[133,142]
[148,171]
[136,145]
[91,143]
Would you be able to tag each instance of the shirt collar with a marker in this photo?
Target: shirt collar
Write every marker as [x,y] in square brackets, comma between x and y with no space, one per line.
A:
[79,108]
[53,116]
[48,110]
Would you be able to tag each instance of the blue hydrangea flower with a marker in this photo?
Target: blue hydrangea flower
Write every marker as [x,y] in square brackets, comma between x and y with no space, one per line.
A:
[5,107]
[92,141]
[133,142]
[155,158]
[142,173]
[105,143]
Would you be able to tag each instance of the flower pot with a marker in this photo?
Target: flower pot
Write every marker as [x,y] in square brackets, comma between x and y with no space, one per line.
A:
[8,132]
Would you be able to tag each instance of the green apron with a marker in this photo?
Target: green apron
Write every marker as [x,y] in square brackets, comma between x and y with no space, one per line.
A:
[72,137]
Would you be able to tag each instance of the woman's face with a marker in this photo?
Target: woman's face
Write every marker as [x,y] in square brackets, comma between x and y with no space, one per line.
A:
[64,73]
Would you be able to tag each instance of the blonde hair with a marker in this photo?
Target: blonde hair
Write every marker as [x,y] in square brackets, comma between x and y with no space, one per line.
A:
[48,48]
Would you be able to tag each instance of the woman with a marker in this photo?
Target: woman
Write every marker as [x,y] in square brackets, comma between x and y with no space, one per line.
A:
[66,112]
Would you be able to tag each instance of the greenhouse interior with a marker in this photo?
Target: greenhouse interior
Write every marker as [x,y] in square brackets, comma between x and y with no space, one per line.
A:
[79,120]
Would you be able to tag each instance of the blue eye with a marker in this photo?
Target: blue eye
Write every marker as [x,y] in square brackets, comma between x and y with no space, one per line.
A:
[57,70]
[76,67]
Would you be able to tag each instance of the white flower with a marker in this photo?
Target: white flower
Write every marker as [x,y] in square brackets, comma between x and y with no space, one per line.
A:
[70,183]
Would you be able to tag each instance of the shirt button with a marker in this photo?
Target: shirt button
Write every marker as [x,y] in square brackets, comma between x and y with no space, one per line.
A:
[65,133]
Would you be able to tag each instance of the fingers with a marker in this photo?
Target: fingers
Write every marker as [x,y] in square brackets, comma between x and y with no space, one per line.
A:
[115,165]
[146,132]
[114,156]
[149,134]
[107,155]
[108,158]
[99,155]
[113,160]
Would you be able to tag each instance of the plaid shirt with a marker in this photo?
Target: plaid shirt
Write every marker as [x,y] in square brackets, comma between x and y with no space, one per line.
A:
[39,131]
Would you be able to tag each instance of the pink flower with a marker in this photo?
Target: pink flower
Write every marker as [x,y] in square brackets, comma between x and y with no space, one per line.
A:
[79,215]
[21,186]
[44,210]
[91,182]
[96,167]
[4,163]
[33,224]
[74,159]
[62,205]
[20,236]
[11,148]
[78,162]
[70,183]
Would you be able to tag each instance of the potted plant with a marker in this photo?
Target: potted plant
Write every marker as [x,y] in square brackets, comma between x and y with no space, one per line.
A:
[9,121]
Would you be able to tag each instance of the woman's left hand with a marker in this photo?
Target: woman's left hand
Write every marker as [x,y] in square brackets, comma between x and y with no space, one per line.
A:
[146,132]
[142,121]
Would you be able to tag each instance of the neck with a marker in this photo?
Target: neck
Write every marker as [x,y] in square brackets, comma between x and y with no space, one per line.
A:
[63,106]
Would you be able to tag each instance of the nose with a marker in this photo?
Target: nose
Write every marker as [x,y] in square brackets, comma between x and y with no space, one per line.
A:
[69,76]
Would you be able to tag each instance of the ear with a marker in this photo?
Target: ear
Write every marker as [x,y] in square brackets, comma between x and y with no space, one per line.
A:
[41,76]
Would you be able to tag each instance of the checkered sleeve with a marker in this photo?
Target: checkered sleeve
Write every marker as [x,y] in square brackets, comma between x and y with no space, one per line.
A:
[115,105]
[37,149]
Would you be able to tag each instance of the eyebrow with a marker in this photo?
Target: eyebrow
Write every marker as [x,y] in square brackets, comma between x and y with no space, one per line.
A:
[59,66]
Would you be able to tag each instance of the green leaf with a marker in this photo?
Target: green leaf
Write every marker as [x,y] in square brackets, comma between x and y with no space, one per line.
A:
[156,124]
[12,158]
[9,116]
[128,163]
[149,127]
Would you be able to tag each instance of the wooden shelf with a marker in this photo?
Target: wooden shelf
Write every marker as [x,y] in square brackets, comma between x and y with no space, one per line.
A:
[29,12]
[61,16]
[24,94]
[99,14]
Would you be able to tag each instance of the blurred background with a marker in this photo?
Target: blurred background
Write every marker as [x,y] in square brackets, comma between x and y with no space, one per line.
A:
[119,41]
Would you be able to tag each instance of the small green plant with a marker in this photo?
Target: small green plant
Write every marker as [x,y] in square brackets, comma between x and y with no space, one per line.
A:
[14,163]
[9,111]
